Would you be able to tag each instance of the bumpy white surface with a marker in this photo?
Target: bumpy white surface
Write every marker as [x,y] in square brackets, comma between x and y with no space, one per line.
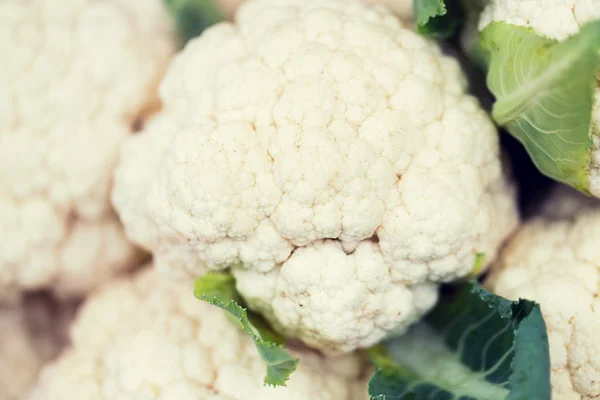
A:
[350,300]
[309,120]
[556,19]
[555,260]
[30,335]
[75,79]
[148,338]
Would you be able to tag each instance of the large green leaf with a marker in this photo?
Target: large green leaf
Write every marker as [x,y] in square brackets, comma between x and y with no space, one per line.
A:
[438,18]
[474,345]
[193,16]
[219,290]
[544,95]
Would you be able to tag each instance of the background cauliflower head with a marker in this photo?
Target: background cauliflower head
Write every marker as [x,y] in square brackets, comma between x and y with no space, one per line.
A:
[329,154]
[159,342]
[555,260]
[555,19]
[402,8]
[77,78]
[31,335]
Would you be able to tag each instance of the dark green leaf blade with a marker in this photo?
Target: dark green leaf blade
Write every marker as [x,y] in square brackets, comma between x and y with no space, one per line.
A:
[438,19]
[219,290]
[527,354]
[394,381]
[544,95]
[474,345]
[193,16]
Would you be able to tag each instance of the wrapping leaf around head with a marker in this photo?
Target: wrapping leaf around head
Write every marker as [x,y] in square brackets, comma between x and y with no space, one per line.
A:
[218,289]
[474,345]
[544,89]
[544,93]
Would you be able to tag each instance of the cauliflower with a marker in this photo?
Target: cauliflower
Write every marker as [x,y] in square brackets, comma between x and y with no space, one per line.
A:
[31,335]
[77,78]
[555,19]
[330,157]
[402,8]
[555,260]
[159,342]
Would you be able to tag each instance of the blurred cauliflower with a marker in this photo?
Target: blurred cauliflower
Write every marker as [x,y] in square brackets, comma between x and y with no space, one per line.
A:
[402,8]
[30,335]
[555,260]
[77,78]
[146,337]
[328,154]
[228,7]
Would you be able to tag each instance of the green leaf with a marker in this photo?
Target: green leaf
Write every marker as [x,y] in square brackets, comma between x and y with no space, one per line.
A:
[439,19]
[474,345]
[544,93]
[215,285]
[478,265]
[219,290]
[193,16]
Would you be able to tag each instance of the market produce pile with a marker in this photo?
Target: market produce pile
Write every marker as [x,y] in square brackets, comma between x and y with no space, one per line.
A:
[299,199]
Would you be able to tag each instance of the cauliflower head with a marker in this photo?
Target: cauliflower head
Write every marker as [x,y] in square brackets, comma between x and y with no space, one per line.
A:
[555,260]
[77,78]
[327,154]
[159,342]
[555,19]
[31,335]
[402,8]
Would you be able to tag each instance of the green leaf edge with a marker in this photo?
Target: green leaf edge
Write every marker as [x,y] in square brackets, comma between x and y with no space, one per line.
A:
[532,321]
[425,11]
[435,20]
[280,364]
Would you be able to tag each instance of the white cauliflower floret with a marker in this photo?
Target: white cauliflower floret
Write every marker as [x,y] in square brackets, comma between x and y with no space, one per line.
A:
[318,120]
[350,300]
[147,337]
[30,335]
[555,19]
[77,78]
[555,260]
